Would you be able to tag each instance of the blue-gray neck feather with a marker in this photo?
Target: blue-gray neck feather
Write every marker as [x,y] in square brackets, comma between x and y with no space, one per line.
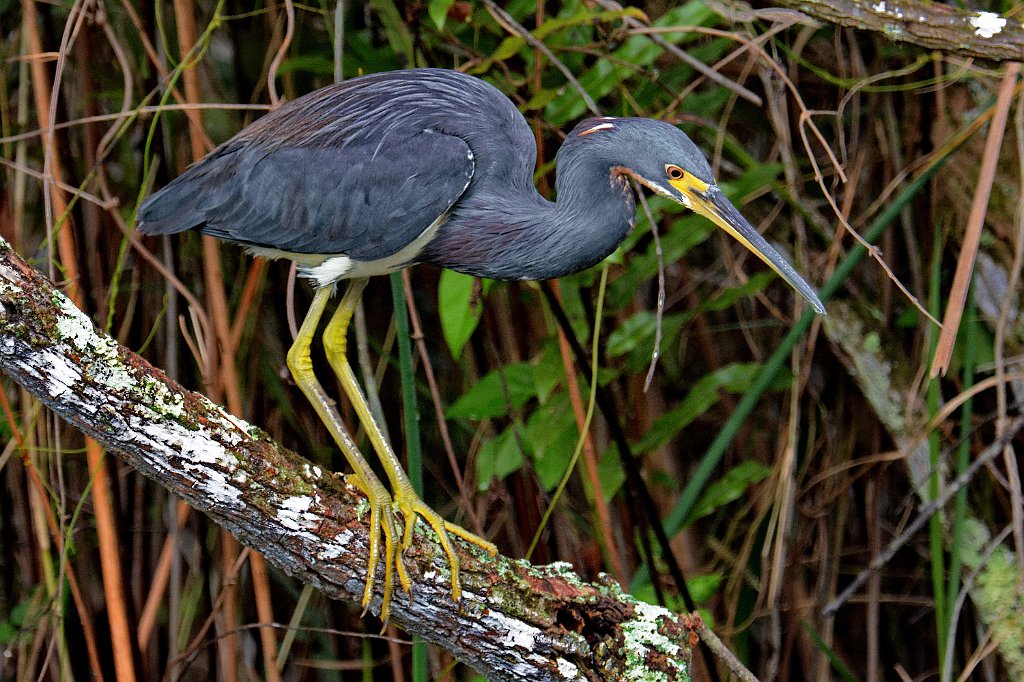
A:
[506,230]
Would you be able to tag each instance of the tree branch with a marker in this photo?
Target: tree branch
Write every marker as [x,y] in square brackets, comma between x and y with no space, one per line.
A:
[515,621]
[926,24]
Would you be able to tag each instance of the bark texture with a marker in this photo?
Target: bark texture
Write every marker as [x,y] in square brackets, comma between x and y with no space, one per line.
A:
[927,24]
[514,622]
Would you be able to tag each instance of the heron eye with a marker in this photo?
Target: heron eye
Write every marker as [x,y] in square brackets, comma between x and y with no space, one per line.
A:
[675,172]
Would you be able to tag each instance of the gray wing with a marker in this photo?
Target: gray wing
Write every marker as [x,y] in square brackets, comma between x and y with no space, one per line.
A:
[366,200]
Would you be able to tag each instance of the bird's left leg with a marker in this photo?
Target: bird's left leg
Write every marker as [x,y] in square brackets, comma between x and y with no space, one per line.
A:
[381,512]
[405,497]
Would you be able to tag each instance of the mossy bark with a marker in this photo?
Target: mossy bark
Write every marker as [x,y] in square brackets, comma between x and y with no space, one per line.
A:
[514,622]
[930,25]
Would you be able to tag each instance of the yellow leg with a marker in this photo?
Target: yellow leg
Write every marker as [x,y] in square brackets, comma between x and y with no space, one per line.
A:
[381,511]
[406,499]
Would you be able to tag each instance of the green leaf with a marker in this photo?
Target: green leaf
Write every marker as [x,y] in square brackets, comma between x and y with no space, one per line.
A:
[540,99]
[730,487]
[610,472]
[757,282]
[311,63]
[500,390]
[685,232]
[548,372]
[752,180]
[606,75]
[703,587]
[735,378]
[631,333]
[553,434]
[671,329]
[438,11]
[397,32]
[509,48]
[459,313]
[838,665]
[499,457]
[585,16]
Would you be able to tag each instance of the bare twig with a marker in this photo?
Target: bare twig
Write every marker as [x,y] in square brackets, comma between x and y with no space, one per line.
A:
[717,647]
[682,55]
[289,11]
[513,26]
[926,512]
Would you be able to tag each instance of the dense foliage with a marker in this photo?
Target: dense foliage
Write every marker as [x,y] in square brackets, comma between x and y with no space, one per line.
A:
[782,452]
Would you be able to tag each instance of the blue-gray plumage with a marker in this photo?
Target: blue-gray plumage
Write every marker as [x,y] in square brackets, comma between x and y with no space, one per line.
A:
[363,168]
[427,166]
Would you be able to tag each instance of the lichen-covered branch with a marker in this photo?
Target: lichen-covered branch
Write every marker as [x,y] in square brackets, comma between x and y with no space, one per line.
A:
[514,622]
[933,25]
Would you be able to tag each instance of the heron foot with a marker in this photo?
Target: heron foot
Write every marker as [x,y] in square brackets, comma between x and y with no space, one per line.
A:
[412,507]
[382,517]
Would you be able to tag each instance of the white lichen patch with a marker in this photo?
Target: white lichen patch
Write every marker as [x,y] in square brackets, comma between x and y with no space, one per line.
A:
[312,471]
[299,503]
[6,286]
[76,328]
[161,398]
[232,422]
[208,463]
[516,633]
[882,8]
[567,669]
[61,375]
[336,547]
[641,637]
[295,515]
[987,24]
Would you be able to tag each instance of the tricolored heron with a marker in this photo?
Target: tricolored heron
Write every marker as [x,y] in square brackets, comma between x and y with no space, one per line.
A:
[380,172]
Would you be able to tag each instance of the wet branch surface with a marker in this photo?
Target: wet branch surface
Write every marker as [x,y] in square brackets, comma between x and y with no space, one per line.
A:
[514,622]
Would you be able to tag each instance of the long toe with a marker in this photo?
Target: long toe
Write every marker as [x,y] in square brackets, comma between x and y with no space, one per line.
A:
[412,508]
[391,556]
[471,538]
[382,518]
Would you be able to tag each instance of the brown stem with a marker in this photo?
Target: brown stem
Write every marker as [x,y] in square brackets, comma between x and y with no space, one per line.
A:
[113,585]
[579,410]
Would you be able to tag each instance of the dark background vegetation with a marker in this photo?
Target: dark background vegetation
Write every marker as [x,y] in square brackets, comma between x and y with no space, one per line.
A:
[781,470]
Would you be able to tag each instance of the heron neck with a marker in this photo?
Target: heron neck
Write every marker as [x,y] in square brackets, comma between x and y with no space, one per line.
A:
[521,235]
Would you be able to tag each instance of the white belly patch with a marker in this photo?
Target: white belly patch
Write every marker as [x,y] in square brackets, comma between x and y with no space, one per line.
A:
[328,269]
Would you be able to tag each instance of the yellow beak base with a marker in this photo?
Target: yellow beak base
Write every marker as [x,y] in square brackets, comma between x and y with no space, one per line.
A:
[710,202]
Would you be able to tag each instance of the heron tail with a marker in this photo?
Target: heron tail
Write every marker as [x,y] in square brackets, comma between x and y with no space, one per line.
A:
[182,204]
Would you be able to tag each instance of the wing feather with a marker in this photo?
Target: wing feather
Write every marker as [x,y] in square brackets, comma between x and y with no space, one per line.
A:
[366,201]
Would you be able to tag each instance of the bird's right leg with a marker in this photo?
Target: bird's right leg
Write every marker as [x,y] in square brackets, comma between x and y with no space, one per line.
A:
[408,502]
[381,512]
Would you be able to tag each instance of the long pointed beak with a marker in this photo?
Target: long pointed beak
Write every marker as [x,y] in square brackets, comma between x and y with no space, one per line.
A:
[712,204]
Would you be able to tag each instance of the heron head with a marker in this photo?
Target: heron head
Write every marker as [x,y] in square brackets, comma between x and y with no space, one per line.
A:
[661,157]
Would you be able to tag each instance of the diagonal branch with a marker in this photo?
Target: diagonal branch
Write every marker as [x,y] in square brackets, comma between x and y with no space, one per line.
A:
[515,621]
